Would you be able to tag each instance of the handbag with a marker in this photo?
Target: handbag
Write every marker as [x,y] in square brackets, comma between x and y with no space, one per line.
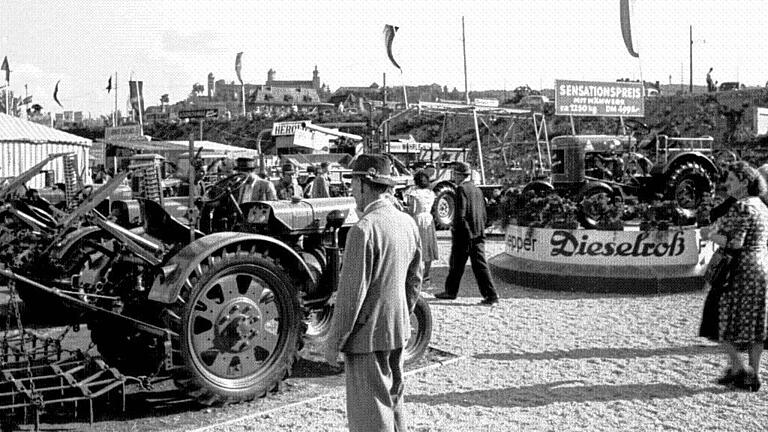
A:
[719,268]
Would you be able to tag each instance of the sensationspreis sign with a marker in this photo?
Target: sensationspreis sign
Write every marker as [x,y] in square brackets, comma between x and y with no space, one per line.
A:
[593,247]
[591,98]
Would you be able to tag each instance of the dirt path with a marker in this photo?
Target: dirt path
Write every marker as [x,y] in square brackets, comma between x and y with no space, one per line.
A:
[542,361]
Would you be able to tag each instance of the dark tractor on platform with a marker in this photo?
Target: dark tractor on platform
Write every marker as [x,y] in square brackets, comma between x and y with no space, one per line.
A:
[682,170]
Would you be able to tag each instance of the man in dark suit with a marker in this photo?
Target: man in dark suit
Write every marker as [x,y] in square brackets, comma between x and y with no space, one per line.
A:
[468,239]
[378,289]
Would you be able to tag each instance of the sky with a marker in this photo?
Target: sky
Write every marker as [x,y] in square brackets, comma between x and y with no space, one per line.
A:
[170,45]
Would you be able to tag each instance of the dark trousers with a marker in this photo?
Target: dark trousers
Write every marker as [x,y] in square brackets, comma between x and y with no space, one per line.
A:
[463,247]
[375,391]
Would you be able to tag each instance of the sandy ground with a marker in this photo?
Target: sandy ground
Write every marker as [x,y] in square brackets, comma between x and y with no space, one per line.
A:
[554,361]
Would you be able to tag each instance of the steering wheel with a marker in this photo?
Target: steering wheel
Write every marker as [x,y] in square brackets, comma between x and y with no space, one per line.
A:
[82,193]
[636,125]
[223,187]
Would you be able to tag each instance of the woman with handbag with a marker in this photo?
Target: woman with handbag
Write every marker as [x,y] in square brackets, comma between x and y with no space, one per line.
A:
[742,233]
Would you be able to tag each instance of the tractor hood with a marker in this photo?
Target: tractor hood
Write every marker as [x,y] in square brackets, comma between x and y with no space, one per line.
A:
[297,217]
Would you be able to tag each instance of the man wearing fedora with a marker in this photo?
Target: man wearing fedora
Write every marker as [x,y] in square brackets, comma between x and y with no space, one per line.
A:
[378,289]
[257,187]
[468,239]
[288,187]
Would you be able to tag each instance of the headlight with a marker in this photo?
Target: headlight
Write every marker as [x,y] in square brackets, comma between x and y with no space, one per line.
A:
[258,215]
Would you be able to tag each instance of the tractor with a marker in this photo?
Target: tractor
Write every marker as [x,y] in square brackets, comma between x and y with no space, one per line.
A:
[223,314]
[682,170]
[438,163]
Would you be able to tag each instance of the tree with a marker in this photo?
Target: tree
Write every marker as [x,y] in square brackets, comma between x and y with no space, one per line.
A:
[197,90]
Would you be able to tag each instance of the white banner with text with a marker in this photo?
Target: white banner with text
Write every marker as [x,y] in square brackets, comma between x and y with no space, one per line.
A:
[603,248]
[590,98]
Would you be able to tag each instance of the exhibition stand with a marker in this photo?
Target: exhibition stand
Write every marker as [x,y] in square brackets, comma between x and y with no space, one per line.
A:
[622,262]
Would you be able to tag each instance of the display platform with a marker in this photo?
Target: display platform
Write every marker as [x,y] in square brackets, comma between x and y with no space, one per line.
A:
[622,262]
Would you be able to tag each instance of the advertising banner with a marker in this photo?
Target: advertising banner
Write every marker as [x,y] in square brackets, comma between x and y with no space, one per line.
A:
[286,128]
[605,248]
[591,98]
[317,141]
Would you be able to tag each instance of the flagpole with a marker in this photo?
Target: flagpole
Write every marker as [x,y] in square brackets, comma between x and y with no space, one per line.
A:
[405,93]
[114,114]
[464,49]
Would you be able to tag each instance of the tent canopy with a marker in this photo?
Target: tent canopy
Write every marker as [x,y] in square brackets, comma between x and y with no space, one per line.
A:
[17,130]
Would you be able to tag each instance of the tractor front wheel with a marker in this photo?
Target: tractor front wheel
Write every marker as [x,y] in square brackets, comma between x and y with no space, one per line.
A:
[239,328]
[445,206]
[687,184]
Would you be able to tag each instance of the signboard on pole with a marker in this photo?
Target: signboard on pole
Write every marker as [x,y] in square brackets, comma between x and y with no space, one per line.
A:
[199,113]
[591,98]
[493,103]
[123,133]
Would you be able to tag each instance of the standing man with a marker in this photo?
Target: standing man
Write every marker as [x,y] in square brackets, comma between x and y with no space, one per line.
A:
[289,188]
[321,185]
[257,187]
[468,239]
[710,83]
[378,289]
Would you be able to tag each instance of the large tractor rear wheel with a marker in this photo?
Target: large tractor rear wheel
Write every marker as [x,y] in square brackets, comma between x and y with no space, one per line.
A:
[445,206]
[239,328]
[687,184]
[421,332]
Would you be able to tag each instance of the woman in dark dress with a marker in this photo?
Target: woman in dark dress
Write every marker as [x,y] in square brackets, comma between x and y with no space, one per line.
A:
[743,231]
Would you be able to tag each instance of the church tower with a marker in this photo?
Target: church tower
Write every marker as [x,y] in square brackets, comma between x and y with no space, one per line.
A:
[316,79]
[211,86]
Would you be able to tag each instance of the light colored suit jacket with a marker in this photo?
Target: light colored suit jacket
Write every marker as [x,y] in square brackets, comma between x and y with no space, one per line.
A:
[258,189]
[379,282]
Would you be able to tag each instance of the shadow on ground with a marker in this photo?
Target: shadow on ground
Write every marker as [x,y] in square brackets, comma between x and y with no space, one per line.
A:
[616,353]
[559,392]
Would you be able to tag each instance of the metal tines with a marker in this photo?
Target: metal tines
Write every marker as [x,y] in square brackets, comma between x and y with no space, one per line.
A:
[70,179]
[60,386]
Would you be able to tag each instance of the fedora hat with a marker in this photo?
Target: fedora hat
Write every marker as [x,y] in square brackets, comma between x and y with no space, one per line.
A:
[246,163]
[462,168]
[288,169]
[374,168]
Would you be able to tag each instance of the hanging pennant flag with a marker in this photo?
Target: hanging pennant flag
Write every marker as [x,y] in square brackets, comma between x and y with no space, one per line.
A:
[27,100]
[626,31]
[239,66]
[109,85]
[56,94]
[137,95]
[7,69]
[389,36]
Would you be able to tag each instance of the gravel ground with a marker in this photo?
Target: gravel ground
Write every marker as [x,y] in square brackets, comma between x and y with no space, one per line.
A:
[542,361]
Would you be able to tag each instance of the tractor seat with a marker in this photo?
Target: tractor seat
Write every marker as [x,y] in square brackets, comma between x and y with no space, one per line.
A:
[159,224]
